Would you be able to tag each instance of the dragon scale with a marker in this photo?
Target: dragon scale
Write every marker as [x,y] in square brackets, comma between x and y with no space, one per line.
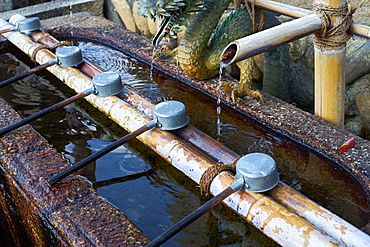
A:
[198,53]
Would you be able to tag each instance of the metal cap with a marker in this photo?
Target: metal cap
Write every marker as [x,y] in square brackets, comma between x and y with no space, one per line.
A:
[107,84]
[69,56]
[170,115]
[29,24]
[258,171]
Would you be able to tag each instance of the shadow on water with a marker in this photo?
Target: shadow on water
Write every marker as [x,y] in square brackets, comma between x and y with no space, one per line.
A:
[147,189]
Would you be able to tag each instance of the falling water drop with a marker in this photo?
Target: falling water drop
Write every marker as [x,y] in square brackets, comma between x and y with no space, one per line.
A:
[218,109]
[70,15]
[152,63]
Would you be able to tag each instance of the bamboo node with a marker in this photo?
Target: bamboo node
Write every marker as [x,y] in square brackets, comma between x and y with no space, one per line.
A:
[213,171]
[323,38]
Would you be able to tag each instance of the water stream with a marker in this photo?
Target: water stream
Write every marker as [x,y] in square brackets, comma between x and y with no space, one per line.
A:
[147,189]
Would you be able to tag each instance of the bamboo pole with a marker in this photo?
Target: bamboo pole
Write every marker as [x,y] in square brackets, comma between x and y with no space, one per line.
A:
[296,12]
[267,214]
[268,39]
[330,76]
[295,201]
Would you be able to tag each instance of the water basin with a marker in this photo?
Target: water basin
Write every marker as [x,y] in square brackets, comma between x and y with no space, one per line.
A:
[147,189]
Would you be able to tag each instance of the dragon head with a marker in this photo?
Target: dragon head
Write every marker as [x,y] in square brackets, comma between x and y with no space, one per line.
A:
[172,13]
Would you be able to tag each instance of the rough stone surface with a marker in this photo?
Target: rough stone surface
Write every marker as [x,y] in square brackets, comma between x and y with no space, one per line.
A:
[47,9]
[363,105]
[68,214]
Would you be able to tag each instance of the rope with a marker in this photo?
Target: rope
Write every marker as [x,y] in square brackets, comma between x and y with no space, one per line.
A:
[51,48]
[323,38]
[212,172]
[250,4]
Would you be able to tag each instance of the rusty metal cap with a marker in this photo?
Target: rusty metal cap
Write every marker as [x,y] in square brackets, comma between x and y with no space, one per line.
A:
[258,171]
[107,84]
[170,115]
[69,56]
[29,24]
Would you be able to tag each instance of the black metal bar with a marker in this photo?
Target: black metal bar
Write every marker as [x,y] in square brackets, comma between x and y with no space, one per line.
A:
[195,215]
[8,30]
[27,73]
[100,153]
[44,112]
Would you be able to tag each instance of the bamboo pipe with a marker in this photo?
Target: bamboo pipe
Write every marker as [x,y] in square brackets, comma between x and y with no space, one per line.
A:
[330,76]
[296,12]
[319,216]
[188,160]
[268,39]
[219,153]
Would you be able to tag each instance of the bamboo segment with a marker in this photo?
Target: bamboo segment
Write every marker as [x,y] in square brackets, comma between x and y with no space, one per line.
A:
[330,76]
[330,85]
[296,12]
[319,217]
[270,38]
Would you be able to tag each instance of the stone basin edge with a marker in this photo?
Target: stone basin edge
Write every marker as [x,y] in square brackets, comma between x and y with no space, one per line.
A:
[68,214]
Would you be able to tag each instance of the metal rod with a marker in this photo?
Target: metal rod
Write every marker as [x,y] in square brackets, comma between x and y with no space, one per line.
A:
[196,214]
[44,112]
[7,30]
[27,73]
[101,152]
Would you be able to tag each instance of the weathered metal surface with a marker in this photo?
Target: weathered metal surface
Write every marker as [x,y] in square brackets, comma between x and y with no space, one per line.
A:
[69,214]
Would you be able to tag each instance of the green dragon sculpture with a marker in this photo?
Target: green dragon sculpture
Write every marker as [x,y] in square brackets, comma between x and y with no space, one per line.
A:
[198,53]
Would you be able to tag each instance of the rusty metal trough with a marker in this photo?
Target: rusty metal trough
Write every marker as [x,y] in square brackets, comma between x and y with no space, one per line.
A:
[276,114]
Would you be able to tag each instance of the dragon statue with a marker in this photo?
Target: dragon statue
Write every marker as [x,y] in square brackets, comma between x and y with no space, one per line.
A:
[198,53]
